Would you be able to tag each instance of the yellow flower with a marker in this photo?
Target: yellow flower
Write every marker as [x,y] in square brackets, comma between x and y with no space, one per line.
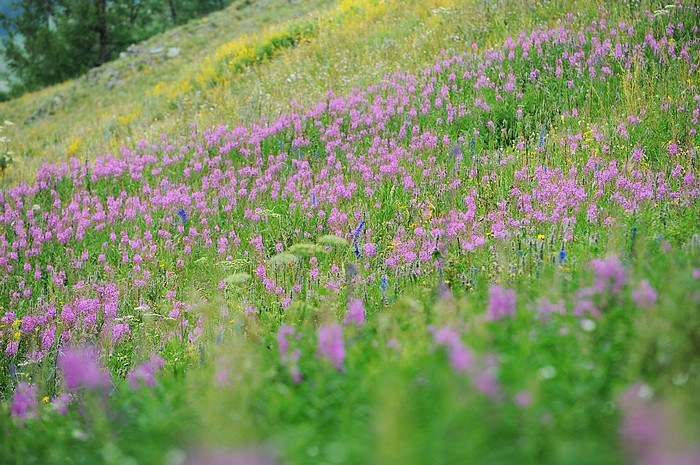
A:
[74,145]
[541,236]
[45,399]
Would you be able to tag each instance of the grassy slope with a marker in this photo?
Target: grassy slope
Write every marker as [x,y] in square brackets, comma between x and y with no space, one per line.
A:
[353,44]
[91,119]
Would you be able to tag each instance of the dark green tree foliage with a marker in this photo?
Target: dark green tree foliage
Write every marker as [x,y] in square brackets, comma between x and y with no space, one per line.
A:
[50,41]
[31,43]
[182,10]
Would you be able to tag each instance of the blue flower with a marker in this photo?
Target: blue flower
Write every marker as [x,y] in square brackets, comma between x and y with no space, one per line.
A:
[183,215]
[540,144]
[383,285]
[562,256]
[357,251]
[356,234]
[313,199]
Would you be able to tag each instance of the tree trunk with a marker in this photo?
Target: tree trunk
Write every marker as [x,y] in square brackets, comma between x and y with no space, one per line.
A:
[102,29]
[173,14]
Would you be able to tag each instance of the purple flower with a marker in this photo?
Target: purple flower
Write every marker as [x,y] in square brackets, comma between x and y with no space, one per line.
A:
[546,308]
[81,368]
[145,373]
[24,404]
[487,383]
[221,377]
[523,399]
[461,358]
[645,296]
[355,313]
[501,303]
[282,341]
[120,330]
[609,274]
[12,348]
[60,403]
[227,457]
[642,424]
[648,433]
[637,155]
[331,346]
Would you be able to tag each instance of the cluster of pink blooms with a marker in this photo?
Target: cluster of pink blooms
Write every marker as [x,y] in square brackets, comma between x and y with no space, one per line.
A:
[84,244]
[649,432]
[80,370]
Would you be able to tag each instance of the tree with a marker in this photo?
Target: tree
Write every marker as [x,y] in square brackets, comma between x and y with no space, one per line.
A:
[31,49]
[50,41]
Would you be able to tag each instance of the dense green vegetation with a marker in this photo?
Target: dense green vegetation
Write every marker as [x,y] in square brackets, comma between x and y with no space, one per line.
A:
[489,253]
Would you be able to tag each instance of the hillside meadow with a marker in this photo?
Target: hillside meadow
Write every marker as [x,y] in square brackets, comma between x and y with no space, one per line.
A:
[361,231]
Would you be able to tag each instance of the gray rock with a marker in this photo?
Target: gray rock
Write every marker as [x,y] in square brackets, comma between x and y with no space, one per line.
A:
[114,80]
[94,74]
[156,50]
[47,109]
[173,52]
[112,83]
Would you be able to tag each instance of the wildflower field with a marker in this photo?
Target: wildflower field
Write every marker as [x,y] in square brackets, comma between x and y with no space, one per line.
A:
[490,255]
